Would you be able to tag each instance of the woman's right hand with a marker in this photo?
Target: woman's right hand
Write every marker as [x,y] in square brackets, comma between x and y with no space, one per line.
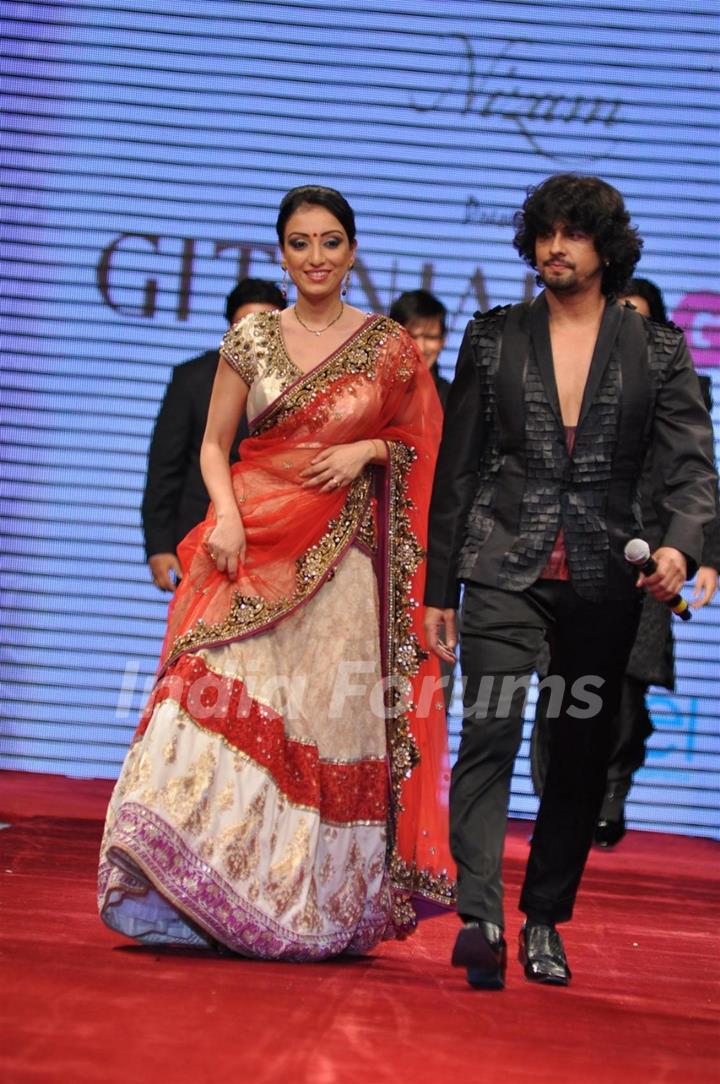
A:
[226,545]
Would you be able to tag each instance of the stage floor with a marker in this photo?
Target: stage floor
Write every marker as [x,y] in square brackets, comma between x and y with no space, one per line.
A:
[81,1004]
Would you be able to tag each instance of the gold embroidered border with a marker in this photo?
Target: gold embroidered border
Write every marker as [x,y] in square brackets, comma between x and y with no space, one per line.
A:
[403,652]
[357,357]
[404,657]
[367,535]
[251,613]
[409,878]
[255,345]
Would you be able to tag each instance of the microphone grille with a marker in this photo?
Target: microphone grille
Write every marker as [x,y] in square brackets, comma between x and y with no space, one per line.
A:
[637,551]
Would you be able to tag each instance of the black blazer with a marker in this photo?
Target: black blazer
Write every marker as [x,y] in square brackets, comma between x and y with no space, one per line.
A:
[442,386]
[711,549]
[652,658]
[175,497]
[505,482]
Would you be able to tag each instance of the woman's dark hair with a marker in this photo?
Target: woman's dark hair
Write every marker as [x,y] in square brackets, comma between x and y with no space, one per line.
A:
[587,204]
[315,196]
[649,292]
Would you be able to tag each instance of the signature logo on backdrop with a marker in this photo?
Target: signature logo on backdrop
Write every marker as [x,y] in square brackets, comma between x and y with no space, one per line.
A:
[476,214]
[506,88]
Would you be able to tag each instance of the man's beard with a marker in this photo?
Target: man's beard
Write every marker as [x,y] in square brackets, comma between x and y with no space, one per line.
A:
[559,285]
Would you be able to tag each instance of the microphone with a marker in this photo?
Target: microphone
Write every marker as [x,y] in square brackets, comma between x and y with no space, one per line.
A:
[637,552]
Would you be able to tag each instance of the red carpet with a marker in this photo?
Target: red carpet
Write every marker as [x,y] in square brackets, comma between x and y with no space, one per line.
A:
[86,1006]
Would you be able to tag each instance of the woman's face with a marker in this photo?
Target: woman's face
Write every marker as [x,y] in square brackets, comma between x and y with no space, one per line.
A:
[317,252]
[639,302]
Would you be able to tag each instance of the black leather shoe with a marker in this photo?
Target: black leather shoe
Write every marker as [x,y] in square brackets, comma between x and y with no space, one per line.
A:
[543,956]
[608,833]
[480,948]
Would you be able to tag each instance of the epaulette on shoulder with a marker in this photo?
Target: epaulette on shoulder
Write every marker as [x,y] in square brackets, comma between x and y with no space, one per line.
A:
[655,326]
[664,332]
[485,323]
[664,324]
[491,312]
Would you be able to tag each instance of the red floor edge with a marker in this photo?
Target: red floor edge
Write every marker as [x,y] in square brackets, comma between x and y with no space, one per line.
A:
[81,1004]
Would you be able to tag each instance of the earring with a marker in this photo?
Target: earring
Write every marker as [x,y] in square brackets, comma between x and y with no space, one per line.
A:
[284,282]
[346,283]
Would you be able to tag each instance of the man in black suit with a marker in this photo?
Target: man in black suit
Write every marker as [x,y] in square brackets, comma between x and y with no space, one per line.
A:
[175,497]
[652,660]
[553,407]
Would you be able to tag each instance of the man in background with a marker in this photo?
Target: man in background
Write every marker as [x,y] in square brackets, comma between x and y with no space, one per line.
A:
[424,317]
[175,497]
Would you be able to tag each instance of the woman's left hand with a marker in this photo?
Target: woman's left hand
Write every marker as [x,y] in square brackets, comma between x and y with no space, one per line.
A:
[338,466]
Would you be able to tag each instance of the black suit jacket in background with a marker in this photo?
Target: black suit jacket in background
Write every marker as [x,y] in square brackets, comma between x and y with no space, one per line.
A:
[442,386]
[652,659]
[175,498]
[505,482]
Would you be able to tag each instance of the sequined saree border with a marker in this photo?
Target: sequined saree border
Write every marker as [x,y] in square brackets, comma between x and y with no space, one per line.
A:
[351,358]
[402,656]
[301,390]
[251,614]
[196,890]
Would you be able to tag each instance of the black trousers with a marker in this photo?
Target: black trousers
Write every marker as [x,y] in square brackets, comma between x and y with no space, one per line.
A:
[501,634]
[632,728]
[629,733]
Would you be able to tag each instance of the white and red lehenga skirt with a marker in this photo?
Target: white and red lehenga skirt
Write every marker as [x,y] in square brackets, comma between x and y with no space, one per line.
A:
[252,810]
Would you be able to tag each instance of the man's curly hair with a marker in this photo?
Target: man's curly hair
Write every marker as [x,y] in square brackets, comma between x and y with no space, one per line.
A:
[587,204]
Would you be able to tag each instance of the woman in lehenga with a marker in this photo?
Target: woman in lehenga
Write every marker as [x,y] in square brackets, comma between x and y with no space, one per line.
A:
[284,796]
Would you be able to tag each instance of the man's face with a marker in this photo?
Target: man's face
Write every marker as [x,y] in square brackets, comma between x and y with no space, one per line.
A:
[429,337]
[567,260]
[252,306]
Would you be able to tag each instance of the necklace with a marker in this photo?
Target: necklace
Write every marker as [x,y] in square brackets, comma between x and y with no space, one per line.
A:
[316,331]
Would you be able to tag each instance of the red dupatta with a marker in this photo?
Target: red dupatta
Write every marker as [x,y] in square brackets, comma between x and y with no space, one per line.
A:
[374,386]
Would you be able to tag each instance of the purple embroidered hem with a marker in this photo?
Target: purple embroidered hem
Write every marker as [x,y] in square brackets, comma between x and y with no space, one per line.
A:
[154,888]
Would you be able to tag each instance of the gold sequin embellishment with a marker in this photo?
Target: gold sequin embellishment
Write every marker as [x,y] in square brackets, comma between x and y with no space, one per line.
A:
[250,613]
